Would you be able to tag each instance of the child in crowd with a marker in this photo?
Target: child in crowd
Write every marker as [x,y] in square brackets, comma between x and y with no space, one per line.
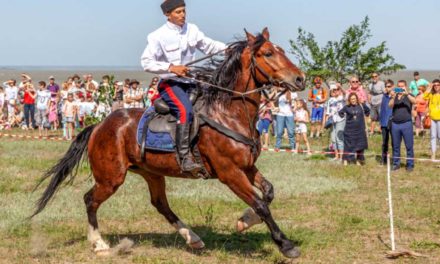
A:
[91,105]
[265,118]
[420,109]
[82,105]
[301,118]
[53,113]
[87,107]
[69,112]
[42,111]
[16,117]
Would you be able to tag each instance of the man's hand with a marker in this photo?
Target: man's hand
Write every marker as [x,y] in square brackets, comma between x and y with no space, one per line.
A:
[179,70]
[393,94]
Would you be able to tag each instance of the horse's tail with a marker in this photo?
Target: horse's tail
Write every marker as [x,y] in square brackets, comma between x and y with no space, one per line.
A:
[67,165]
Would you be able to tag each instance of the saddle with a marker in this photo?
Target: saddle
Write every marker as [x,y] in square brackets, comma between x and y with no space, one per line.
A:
[157,128]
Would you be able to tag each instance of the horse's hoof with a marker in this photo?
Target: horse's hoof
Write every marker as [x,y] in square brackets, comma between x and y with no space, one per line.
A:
[292,253]
[103,253]
[241,226]
[101,248]
[197,245]
[249,219]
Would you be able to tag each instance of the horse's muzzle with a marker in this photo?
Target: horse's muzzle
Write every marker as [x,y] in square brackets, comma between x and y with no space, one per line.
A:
[300,82]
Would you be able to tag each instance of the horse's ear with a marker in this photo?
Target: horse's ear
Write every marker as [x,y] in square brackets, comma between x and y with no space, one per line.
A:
[250,38]
[265,33]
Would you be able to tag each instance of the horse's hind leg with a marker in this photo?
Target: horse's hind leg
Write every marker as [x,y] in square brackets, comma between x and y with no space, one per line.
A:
[156,185]
[249,217]
[106,184]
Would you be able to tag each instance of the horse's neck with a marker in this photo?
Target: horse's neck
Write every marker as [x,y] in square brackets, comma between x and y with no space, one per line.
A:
[241,112]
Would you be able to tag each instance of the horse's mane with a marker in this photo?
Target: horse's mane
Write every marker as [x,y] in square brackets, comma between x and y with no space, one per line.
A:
[224,72]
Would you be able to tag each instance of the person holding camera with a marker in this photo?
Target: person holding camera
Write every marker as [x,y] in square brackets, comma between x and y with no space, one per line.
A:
[401,126]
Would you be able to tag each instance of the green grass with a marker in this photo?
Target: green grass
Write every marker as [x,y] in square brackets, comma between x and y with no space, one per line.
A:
[335,213]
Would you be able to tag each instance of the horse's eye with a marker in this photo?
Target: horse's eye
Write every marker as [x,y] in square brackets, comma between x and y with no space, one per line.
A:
[268,54]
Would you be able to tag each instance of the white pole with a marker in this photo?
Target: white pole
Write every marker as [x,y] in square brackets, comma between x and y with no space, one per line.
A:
[390,203]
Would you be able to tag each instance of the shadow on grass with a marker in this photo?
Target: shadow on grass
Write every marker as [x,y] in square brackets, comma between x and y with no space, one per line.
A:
[235,243]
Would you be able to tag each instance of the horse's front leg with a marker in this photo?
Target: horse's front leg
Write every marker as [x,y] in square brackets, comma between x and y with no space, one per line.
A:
[239,183]
[249,217]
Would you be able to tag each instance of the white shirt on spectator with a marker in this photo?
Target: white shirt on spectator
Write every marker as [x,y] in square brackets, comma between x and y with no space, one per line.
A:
[285,109]
[334,105]
[82,109]
[89,107]
[134,93]
[43,97]
[171,44]
[2,101]
[11,92]
[95,83]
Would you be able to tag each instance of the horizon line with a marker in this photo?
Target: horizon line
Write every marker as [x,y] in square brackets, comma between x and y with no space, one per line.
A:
[66,67]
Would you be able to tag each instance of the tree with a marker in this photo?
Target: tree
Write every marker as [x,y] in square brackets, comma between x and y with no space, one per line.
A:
[338,60]
[104,98]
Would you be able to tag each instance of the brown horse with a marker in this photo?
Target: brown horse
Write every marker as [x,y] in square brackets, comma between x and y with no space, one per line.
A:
[113,150]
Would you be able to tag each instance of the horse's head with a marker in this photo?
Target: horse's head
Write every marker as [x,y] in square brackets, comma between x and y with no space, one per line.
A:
[271,64]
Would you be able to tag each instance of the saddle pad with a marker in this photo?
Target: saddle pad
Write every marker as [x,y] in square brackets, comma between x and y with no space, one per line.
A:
[159,141]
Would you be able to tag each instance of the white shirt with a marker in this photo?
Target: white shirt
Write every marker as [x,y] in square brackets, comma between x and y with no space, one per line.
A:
[134,93]
[301,115]
[43,98]
[284,106]
[86,108]
[11,92]
[2,100]
[171,44]
[334,105]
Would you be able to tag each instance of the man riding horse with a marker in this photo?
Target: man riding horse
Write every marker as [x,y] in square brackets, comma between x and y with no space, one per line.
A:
[169,48]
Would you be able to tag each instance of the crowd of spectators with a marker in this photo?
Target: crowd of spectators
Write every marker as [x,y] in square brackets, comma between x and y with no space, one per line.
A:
[395,111]
[50,106]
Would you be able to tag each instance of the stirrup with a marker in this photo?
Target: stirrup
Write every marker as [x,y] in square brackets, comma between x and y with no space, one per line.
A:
[194,167]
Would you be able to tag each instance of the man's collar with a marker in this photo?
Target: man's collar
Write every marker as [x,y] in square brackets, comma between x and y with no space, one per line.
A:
[175,27]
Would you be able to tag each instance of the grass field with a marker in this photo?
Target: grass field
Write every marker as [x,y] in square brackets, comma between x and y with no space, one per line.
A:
[337,214]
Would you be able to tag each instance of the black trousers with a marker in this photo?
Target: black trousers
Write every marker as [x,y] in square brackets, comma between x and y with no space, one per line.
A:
[386,135]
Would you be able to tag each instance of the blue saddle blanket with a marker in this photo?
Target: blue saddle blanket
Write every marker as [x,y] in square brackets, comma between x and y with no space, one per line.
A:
[160,141]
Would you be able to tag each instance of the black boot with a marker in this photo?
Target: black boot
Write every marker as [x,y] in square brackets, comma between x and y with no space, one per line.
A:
[183,150]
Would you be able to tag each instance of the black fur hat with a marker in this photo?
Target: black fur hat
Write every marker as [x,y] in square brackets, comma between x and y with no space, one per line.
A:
[170,5]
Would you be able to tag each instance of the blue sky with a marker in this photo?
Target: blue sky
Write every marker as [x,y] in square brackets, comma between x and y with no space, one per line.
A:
[113,33]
